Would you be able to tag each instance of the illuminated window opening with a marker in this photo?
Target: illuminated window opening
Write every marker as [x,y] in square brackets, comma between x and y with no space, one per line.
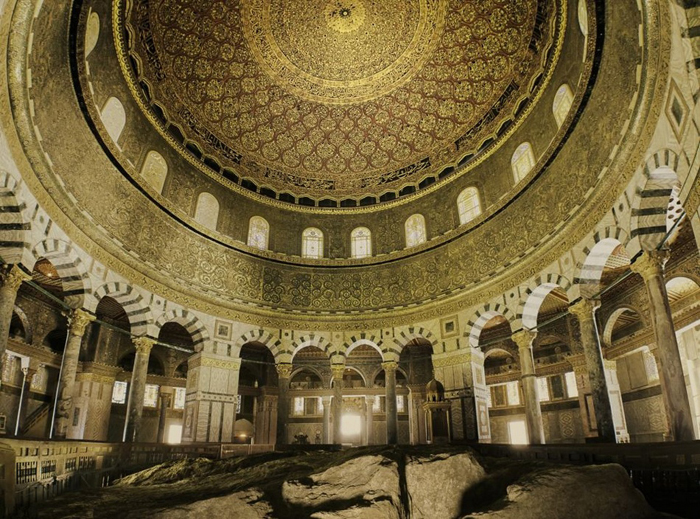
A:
[517,432]
[361,242]
[415,230]
[312,243]
[468,205]
[258,233]
[350,425]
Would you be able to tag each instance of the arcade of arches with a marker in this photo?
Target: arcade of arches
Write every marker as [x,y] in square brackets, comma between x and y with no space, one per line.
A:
[274,222]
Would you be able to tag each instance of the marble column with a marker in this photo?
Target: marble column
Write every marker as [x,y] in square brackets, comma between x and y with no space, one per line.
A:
[680,419]
[137,389]
[326,401]
[415,409]
[337,371]
[392,419]
[533,413]
[284,373]
[369,421]
[12,279]
[28,372]
[163,416]
[78,321]
[584,311]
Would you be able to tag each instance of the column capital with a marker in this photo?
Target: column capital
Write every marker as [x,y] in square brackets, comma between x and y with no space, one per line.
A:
[143,344]
[284,369]
[583,309]
[337,371]
[524,338]
[165,398]
[326,400]
[78,320]
[650,264]
[369,399]
[13,277]
[390,365]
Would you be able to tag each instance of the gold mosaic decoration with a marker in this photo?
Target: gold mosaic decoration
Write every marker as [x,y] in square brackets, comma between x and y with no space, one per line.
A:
[339,97]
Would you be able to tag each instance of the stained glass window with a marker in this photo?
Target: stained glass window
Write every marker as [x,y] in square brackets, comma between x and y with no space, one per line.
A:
[562,104]
[523,161]
[114,118]
[150,398]
[415,230]
[312,243]
[119,393]
[179,402]
[258,233]
[468,205]
[154,170]
[361,242]
[207,212]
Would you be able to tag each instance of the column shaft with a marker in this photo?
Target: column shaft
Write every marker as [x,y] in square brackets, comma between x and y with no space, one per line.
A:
[163,416]
[533,413]
[370,419]
[326,401]
[392,425]
[284,373]
[77,323]
[337,370]
[584,312]
[11,281]
[134,408]
[680,419]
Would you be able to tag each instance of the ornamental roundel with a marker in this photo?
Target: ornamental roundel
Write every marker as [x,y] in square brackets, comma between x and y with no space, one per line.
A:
[338,97]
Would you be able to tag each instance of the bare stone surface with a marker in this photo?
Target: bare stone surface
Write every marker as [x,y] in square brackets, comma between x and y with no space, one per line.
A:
[241,505]
[603,492]
[366,487]
[437,483]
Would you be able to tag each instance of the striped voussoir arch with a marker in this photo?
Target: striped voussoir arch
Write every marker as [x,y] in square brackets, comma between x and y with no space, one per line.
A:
[358,340]
[74,277]
[131,301]
[652,197]
[318,341]
[14,230]
[535,295]
[265,338]
[406,336]
[483,316]
[604,243]
[690,32]
[189,322]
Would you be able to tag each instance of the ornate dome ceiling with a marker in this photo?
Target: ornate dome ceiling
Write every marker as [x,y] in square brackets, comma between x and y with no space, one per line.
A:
[341,97]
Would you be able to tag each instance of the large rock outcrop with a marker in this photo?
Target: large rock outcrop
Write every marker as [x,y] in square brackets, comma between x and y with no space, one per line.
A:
[436,484]
[366,487]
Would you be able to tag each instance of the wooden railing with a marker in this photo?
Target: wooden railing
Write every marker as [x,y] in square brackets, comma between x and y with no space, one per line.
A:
[38,470]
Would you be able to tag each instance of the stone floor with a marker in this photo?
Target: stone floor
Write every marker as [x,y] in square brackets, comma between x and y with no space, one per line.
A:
[367,483]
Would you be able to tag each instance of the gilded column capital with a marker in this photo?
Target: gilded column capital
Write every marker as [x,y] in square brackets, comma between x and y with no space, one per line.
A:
[13,277]
[143,345]
[390,365]
[284,370]
[338,370]
[78,320]
[583,309]
[369,399]
[524,338]
[650,264]
[326,400]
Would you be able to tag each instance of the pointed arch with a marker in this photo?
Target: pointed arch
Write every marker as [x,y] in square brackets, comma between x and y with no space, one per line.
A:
[74,277]
[482,316]
[650,205]
[14,226]
[189,322]
[591,270]
[132,302]
[537,292]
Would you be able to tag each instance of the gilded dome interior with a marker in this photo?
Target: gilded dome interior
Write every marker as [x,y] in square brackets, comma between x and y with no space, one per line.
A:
[328,99]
